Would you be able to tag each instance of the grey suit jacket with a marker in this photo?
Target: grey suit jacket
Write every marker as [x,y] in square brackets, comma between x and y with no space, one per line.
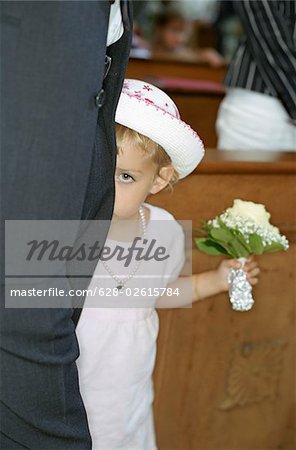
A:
[58,150]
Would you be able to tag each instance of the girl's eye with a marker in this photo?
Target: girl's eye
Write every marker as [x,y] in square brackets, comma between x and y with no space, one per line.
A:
[125,178]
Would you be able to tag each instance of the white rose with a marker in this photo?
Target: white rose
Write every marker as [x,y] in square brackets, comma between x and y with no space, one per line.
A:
[250,210]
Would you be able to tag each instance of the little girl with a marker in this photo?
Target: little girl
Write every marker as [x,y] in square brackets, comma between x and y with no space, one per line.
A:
[118,344]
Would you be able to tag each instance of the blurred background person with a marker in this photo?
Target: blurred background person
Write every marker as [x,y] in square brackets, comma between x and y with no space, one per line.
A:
[166,31]
[259,110]
[172,32]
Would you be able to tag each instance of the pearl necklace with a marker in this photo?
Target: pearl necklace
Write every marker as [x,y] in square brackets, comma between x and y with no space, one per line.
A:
[120,282]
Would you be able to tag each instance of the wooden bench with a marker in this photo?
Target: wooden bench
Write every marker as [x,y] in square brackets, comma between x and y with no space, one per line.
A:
[139,68]
[225,379]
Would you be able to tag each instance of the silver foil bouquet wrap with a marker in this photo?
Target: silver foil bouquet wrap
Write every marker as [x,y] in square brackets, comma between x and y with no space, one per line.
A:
[240,290]
[241,231]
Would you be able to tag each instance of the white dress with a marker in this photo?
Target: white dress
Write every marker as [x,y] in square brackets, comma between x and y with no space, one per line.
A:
[117,354]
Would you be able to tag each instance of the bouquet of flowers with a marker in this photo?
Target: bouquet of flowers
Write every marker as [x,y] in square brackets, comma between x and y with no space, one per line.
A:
[241,231]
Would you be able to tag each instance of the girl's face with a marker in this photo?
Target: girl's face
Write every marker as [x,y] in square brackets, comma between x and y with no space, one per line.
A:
[136,177]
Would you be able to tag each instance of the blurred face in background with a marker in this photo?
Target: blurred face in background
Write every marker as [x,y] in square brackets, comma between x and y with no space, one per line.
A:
[172,35]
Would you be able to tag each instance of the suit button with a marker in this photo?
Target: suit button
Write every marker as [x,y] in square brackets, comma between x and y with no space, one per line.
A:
[100,99]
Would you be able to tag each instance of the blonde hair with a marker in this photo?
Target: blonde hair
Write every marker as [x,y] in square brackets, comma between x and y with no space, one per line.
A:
[149,148]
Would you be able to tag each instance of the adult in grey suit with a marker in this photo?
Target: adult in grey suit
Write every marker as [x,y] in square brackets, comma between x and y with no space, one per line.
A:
[58,106]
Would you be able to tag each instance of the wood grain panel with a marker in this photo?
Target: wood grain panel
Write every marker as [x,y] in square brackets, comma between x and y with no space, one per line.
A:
[139,68]
[225,379]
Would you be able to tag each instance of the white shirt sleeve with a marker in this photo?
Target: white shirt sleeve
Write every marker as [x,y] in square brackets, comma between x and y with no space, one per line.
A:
[115,28]
[177,253]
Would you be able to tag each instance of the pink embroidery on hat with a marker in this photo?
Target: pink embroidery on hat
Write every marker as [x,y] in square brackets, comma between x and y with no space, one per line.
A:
[176,111]
[148,88]
[148,102]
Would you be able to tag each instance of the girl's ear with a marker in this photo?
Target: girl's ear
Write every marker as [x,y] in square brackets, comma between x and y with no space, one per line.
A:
[162,179]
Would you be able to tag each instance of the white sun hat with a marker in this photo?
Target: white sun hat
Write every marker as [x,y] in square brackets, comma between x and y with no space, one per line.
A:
[149,111]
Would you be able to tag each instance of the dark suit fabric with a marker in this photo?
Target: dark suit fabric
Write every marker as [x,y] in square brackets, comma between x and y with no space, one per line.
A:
[59,156]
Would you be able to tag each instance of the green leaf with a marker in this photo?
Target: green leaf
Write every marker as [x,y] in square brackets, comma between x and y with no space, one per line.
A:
[239,250]
[256,244]
[210,247]
[241,238]
[274,247]
[221,235]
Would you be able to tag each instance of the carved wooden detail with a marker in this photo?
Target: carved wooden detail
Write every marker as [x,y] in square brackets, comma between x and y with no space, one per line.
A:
[254,373]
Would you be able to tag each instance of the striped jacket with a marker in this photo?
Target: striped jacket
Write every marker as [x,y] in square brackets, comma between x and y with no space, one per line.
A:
[265,60]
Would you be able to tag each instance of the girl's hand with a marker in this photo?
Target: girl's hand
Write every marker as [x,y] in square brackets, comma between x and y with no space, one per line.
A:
[250,267]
